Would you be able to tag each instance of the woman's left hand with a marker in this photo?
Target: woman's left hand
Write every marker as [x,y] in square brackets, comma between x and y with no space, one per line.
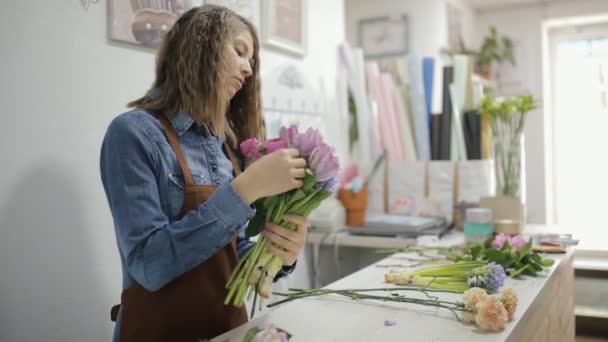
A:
[285,243]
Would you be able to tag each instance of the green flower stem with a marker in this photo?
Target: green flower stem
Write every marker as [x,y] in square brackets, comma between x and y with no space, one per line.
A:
[258,268]
[238,268]
[357,294]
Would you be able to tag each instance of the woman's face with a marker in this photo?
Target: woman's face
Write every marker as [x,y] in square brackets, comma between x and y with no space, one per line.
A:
[238,61]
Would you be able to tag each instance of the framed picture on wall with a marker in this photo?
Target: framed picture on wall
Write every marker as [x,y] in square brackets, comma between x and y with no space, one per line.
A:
[384,36]
[144,22]
[284,25]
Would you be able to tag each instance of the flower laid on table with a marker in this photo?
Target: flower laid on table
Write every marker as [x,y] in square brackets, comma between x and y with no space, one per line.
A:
[471,298]
[257,269]
[489,312]
[509,300]
[516,241]
[457,276]
[513,253]
[490,276]
[268,334]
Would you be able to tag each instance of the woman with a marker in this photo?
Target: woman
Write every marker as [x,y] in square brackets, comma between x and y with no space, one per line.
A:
[175,188]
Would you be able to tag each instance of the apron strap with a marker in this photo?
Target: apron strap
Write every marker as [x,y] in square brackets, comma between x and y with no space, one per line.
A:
[181,159]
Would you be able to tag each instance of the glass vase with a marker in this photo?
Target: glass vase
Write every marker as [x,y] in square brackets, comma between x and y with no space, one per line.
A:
[507,159]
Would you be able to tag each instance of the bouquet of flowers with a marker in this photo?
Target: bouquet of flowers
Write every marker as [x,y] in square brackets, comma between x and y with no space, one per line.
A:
[257,269]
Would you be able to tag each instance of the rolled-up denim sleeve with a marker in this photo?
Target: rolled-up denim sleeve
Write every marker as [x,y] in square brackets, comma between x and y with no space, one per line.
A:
[157,251]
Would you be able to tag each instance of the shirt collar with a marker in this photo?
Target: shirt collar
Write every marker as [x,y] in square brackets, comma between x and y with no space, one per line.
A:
[181,122]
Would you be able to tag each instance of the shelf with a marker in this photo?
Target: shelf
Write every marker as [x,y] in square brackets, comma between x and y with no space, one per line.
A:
[592,312]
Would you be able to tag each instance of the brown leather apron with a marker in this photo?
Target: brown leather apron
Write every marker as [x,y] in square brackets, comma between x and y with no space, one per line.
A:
[191,307]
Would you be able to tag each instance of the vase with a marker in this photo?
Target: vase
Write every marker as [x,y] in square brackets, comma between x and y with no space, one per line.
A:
[507,159]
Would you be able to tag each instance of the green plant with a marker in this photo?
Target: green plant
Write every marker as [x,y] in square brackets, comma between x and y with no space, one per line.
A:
[494,49]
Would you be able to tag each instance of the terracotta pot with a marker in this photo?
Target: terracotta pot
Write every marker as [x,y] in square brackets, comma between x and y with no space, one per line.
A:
[355,205]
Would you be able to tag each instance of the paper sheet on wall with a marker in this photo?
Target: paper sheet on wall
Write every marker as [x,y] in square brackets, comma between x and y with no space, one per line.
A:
[458,94]
[475,180]
[375,193]
[405,186]
[419,115]
[441,186]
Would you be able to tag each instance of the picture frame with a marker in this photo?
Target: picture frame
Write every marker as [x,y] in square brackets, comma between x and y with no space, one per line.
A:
[144,23]
[284,26]
[386,36]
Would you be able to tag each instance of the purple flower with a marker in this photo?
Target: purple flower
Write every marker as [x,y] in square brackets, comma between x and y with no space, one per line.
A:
[323,163]
[308,141]
[275,144]
[490,277]
[290,135]
[330,184]
[250,148]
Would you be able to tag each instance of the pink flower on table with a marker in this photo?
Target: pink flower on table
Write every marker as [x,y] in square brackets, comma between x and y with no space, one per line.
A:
[518,242]
[275,144]
[323,162]
[500,240]
[250,148]
[471,298]
[491,314]
[271,334]
[290,135]
[509,300]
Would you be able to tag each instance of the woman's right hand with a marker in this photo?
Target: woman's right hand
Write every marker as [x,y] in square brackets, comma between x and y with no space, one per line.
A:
[275,173]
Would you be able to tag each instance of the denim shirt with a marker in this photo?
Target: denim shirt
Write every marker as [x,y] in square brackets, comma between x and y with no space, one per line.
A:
[144,186]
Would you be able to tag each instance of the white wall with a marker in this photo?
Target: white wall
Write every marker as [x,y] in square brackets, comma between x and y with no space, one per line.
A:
[62,83]
[523,25]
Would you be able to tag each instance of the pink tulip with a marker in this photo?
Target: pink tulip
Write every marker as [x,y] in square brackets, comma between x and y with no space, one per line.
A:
[290,135]
[323,162]
[250,148]
[500,240]
[275,144]
[518,242]
[309,141]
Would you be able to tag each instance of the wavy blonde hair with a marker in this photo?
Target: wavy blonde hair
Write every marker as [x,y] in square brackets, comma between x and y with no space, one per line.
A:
[190,75]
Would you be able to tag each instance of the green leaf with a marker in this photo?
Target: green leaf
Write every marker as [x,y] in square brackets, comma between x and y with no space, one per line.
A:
[535,257]
[547,262]
[296,196]
[518,271]
[495,255]
[537,267]
[256,224]
[309,181]
[476,251]
[525,250]
[250,335]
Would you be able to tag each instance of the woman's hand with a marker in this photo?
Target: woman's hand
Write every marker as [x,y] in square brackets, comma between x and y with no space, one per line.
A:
[284,243]
[275,173]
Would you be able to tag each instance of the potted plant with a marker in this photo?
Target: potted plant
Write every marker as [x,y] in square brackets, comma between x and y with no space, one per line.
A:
[493,51]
